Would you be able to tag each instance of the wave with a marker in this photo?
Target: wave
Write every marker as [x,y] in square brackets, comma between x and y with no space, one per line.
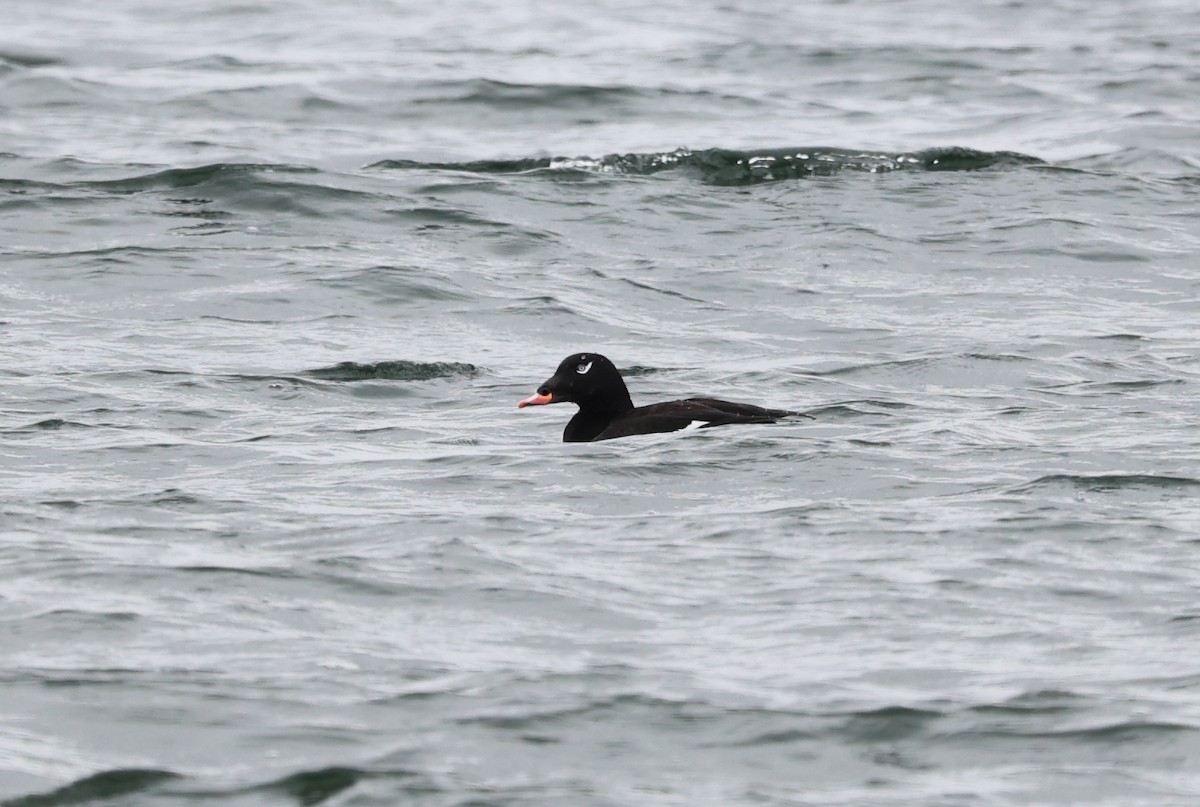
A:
[105,786]
[317,786]
[887,724]
[309,787]
[236,176]
[1047,701]
[396,370]
[509,95]
[27,59]
[736,167]
[49,424]
[399,370]
[1117,732]
[173,178]
[1109,482]
[713,166]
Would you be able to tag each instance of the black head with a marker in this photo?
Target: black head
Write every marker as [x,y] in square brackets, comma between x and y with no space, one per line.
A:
[587,379]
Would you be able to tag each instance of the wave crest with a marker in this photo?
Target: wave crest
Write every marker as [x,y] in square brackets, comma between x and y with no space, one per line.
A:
[735,167]
[399,370]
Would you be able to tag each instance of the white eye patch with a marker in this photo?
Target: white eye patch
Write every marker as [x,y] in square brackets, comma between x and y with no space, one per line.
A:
[583,368]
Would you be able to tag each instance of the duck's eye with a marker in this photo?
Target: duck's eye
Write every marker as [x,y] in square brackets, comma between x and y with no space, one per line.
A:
[583,368]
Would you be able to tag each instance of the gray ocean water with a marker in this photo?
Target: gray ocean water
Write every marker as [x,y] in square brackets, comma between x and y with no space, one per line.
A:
[273,277]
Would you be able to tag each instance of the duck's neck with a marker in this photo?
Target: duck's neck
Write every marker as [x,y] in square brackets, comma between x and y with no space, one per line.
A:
[594,418]
[585,427]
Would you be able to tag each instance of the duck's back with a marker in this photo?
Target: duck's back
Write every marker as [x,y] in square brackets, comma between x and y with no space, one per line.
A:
[700,413]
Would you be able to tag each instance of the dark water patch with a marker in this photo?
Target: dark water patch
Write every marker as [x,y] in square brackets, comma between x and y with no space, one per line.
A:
[1106,483]
[207,228]
[852,369]
[736,167]
[886,725]
[293,384]
[460,440]
[1104,255]
[245,571]
[114,676]
[107,786]
[73,165]
[306,198]
[641,370]
[258,438]
[436,218]
[744,168]
[308,788]
[683,711]
[848,409]
[1134,163]
[476,167]
[539,739]
[222,63]
[27,59]
[878,403]
[391,284]
[330,785]
[1051,701]
[399,370]
[72,619]
[62,504]
[1119,733]
[265,187]
[542,304]
[1127,386]
[1076,592]
[174,497]
[297,320]
[456,185]
[284,99]
[50,424]
[218,190]
[142,373]
[1128,731]
[777,737]
[25,186]
[34,89]
[369,391]
[1122,337]
[861,443]
[508,96]
[665,292]
[1175,683]
[104,261]
[1004,357]
[175,178]
[348,577]
[194,209]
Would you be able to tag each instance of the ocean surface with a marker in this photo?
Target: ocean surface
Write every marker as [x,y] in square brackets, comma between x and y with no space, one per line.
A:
[273,277]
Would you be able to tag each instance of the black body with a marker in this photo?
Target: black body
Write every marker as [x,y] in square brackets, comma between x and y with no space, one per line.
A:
[606,411]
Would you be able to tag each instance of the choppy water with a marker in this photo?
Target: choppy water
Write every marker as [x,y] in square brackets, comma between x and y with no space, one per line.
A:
[275,275]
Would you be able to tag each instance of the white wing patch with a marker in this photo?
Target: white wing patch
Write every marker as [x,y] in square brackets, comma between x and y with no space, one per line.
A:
[583,368]
[695,424]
